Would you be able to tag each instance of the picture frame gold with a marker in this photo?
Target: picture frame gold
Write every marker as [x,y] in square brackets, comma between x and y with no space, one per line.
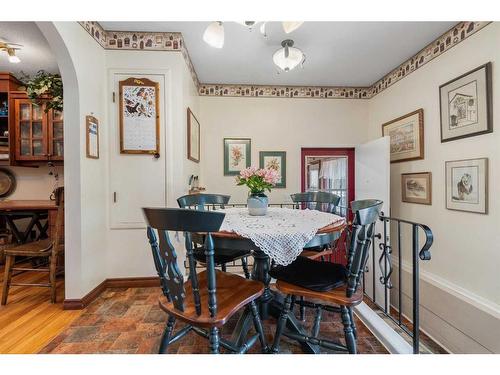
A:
[193,133]
[416,188]
[407,136]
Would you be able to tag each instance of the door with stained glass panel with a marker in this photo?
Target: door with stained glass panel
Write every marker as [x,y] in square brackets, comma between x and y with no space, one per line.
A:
[31,131]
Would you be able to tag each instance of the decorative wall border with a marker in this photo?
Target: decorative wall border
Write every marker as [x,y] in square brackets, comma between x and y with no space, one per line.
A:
[173,41]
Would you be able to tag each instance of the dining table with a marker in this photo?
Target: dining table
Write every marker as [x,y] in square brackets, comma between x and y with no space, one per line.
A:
[276,238]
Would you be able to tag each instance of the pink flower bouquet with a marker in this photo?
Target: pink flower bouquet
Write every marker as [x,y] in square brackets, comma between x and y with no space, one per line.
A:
[258,180]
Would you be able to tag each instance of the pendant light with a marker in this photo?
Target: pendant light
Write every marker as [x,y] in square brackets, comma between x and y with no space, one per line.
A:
[10,48]
[288,57]
[214,34]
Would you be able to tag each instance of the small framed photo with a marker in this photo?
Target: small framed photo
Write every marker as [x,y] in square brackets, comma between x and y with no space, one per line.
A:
[406,136]
[92,131]
[467,185]
[466,105]
[237,155]
[193,137]
[274,160]
[416,187]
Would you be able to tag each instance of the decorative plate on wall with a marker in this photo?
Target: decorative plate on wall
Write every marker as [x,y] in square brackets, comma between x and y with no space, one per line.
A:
[7,183]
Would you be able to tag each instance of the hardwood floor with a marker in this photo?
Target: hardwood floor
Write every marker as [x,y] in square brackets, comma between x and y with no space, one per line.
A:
[29,321]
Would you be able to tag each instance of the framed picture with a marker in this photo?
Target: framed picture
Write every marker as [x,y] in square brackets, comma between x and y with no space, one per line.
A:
[407,136]
[237,155]
[193,137]
[139,116]
[467,185]
[466,106]
[416,187]
[92,131]
[275,160]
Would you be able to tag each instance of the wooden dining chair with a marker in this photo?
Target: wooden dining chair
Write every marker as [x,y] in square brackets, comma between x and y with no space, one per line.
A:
[335,286]
[47,250]
[222,256]
[208,299]
[324,202]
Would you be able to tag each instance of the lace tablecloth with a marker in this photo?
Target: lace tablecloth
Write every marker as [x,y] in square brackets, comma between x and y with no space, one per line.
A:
[282,233]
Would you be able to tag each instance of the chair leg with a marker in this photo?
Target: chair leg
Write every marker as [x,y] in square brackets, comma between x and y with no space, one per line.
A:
[223,267]
[317,321]
[244,264]
[302,315]
[52,278]
[281,324]
[292,303]
[350,340]
[9,261]
[214,340]
[165,338]
[258,327]
[353,323]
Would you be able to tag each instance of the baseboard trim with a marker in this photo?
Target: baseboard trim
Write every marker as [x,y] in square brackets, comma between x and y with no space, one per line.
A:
[121,282]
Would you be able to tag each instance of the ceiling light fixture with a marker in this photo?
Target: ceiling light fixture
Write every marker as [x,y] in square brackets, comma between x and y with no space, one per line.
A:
[290,26]
[214,34]
[288,57]
[12,56]
[10,48]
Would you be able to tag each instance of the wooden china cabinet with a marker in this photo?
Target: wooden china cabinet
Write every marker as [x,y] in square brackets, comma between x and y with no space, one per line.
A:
[37,135]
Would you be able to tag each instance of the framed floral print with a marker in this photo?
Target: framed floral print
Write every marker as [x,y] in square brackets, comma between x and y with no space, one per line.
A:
[274,160]
[467,185]
[237,155]
[416,187]
[406,136]
[193,137]
[466,105]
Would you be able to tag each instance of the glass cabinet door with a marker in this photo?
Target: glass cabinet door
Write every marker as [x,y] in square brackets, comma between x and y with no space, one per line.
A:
[31,131]
[56,135]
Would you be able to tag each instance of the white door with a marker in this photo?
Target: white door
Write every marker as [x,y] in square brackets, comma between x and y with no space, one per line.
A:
[372,171]
[136,180]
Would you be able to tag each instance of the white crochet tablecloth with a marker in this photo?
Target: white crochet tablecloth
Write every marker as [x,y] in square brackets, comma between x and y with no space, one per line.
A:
[282,233]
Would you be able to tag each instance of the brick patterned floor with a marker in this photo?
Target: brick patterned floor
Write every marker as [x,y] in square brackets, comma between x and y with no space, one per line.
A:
[130,321]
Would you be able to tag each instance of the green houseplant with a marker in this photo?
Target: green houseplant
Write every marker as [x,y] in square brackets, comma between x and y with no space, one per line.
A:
[45,87]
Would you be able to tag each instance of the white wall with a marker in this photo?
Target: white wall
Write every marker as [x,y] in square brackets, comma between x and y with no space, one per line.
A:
[466,250]
[275,124]
[35,183]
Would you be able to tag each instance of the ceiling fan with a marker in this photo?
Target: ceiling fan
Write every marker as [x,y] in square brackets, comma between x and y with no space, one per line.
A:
[11,49]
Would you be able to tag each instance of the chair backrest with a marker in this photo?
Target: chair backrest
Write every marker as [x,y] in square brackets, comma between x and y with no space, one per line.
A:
[317,200]
[58,239]
[201,201]
[162,220]
[366,213]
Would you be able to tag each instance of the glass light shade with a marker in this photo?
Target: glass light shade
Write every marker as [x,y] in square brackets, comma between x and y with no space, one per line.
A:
[12,56]
[214,35]
[295,57]
[290,26]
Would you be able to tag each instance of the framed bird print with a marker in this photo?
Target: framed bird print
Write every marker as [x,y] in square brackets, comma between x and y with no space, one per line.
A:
[139,116]
[466,105]
[467,185]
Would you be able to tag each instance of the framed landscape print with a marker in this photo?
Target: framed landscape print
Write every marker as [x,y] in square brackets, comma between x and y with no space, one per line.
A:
[275,160]
[193,137]
[237,155]
[416,187]
[466,106]
[467,185]
[139,116]
[406,136]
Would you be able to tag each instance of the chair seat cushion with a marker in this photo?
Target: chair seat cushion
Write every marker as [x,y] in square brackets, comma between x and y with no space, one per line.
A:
[221,256]
[311,274]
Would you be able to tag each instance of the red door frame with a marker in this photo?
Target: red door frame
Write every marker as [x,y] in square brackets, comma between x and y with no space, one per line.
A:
[330,151]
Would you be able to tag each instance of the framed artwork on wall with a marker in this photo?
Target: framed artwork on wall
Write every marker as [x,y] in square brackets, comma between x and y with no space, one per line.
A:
[467,185]
[416,187]
[193,137]
[466,105]
[275,160]
[92,131]
[406,136]
[139,116]
[237,155]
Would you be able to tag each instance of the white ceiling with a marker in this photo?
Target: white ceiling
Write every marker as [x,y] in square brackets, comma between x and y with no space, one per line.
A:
[35,53]
[337,53]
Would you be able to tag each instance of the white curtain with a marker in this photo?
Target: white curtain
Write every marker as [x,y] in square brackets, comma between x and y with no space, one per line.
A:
[334,172]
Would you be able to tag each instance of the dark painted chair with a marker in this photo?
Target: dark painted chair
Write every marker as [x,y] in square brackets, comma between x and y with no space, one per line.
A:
[222,256]
[334,285]
[208,299]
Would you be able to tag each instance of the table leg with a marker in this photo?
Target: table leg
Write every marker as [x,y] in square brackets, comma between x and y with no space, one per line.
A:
[261,272]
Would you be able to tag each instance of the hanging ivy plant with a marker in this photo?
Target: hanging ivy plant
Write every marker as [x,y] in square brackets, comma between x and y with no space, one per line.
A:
[45,87]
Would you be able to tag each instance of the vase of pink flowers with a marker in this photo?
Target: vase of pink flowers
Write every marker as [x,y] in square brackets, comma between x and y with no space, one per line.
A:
[258,181]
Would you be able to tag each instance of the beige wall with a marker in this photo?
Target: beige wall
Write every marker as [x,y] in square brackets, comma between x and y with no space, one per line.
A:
[275,124]
[466,250]
[35,183]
